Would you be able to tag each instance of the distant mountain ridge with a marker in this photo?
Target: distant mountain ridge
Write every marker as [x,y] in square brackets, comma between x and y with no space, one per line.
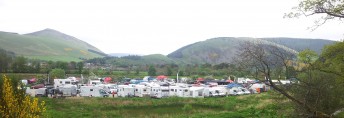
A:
[223,49]
[300,44]
[48,44]
[122,54]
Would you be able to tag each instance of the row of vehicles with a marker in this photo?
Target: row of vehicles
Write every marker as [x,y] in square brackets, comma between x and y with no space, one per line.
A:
[69,88]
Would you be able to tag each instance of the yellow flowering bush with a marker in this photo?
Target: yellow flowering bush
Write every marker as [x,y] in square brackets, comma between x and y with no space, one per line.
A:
[17,104]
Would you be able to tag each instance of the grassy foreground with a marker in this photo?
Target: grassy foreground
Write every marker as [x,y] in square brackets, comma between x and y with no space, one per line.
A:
[258,105]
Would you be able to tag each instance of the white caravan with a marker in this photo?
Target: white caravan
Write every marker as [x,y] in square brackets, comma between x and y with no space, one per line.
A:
[92,91]
[142,91]
[197,92]
[179,91]
[235,91]
[257,87]
[68,90]
[159,92]
[217,91]
[244,90]
[61,82]
[111,88]
[95,82]
[125,91]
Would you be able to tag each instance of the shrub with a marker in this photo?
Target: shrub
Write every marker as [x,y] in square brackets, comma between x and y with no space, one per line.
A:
[18,105]
[229,105]
[187,107]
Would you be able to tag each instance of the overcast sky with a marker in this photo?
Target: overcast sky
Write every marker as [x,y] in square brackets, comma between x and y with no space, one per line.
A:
[159,26]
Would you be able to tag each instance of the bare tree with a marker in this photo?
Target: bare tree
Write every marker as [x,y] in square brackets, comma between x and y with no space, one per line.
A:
[265,58]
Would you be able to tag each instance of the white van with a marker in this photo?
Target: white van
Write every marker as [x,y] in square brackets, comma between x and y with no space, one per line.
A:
[92,91]
[217,92]
[197,92]
[142,90]
[125,91]
[68,90]
[235,91]
[159,92]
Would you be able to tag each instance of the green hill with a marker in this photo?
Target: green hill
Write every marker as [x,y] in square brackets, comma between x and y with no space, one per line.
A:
[215,50]
[300,44]
[141,60]
[48,44]
[218,50]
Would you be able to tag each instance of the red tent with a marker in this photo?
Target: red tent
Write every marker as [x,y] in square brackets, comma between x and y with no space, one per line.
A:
[199,79]
[230,81]
[107,79]
[161,77]
[33,80]
[37,86]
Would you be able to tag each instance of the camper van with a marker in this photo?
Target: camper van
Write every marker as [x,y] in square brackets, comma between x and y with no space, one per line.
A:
[125,91]
[197,92]
[159,92]
[142,91]
[68,90]
[235,91]
[61,82]
[92,91]
[258,87]
[217,91]
[95,82]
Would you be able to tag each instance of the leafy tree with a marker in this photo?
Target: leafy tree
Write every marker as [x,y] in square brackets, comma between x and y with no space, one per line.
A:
[16,104]
[181,73]
[35,66]
[57,73]
[307,56]
[20,65]
[5,60]
[151,71]
[316,94]
[327,9]
[61,65]
[80,66]
[72,65]
[169,71]
[137,71]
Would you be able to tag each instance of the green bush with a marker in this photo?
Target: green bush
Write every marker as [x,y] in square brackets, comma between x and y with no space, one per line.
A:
[187,107]
[230,106]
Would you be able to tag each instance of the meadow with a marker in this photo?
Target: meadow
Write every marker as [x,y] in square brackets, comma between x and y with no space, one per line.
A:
[255,105]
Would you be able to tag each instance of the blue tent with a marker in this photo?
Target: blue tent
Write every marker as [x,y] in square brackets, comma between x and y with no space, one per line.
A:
[233,85]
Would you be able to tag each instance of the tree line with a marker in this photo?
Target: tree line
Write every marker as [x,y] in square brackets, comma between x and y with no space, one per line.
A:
[10,63]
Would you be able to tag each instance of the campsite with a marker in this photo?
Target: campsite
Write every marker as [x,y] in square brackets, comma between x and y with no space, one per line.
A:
[160,97]
[172,59]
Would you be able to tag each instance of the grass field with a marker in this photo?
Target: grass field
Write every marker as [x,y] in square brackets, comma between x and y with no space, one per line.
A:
[257,105]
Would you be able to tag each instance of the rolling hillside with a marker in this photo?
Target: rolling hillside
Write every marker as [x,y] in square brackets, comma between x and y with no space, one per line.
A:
[222,49]
[218,50]
[48,44]
[299,44]
[142,60]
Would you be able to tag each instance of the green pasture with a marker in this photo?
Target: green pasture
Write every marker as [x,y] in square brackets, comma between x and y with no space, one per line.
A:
[257,105]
